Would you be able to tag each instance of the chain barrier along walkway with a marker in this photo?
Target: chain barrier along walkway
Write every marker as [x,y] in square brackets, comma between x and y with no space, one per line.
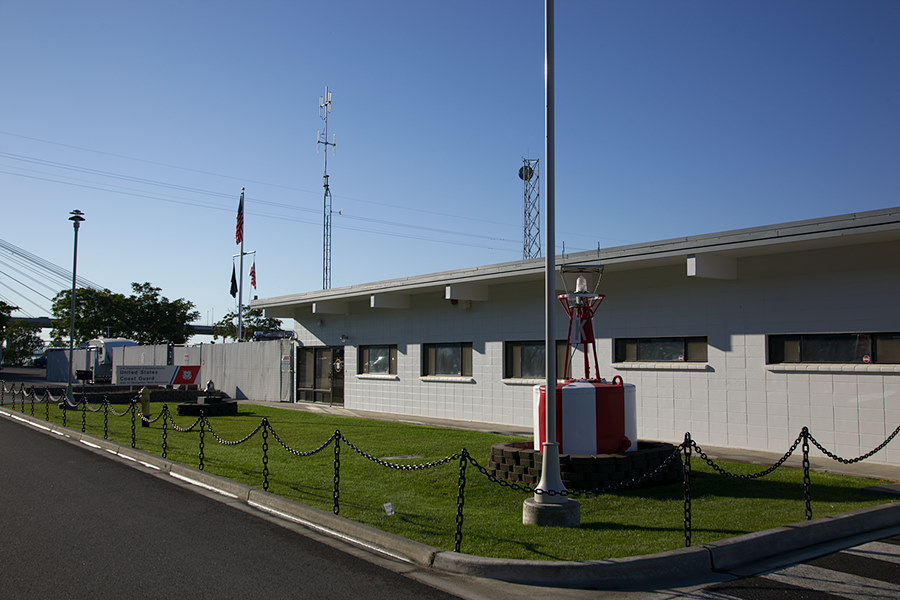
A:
[25,400]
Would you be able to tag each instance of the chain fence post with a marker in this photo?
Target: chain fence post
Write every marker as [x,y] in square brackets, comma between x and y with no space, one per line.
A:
[460,497]
[165,428]
[686,472]
[265,453]
[105,417]
[83,414]
[133,410]
[807,494]
[336,492]
[33,394]
[65,409]
[46,399]
[202,435]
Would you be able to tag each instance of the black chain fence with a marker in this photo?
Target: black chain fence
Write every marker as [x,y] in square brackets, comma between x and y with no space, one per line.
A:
[19,398]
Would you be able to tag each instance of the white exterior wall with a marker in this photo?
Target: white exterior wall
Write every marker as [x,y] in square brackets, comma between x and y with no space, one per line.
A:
[740,401]
[734,400]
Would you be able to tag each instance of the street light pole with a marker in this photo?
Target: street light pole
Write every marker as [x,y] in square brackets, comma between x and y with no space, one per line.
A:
[76,219]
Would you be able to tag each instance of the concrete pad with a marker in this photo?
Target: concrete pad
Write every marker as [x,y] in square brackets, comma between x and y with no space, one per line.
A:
[563,514]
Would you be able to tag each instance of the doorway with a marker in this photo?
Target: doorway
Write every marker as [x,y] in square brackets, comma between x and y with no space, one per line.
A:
[320,374]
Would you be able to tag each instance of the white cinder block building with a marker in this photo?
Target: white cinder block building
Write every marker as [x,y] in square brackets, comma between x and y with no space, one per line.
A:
[741,337]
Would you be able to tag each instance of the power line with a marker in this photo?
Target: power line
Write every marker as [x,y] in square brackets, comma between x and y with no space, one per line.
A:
[46,264]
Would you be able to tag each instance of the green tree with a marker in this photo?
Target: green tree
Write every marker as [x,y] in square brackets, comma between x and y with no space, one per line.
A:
[97,312]
[153,319]
[145,316]
[254,321]
[5,312]
[22,342]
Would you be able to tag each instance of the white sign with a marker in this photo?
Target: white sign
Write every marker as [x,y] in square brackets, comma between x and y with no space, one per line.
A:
[156,374]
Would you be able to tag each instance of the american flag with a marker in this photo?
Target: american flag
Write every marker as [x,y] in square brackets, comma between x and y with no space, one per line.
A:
[239,231]
[253,274]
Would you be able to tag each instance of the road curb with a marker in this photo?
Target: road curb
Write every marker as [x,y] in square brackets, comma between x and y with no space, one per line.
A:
[741,551]
[683,566]
[668,569]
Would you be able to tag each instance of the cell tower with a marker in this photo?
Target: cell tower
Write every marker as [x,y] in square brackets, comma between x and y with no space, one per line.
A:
[322,139]
[530,175]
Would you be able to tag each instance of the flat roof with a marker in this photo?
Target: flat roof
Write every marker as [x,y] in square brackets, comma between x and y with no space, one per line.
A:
[854,228]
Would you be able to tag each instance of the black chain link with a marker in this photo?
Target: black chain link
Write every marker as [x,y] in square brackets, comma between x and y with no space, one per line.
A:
[337,471]
[133,411]
[460,497]
[165,434]
[634,481]
[262,425]
[722,471]
[298,452]
[265,453]
[83,414]
[396,466]
[202,419]
[850,461]
[686,472]
[511,484]
[106,418]
[807,495]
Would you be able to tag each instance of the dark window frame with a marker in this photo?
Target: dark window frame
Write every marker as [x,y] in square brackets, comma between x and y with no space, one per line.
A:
[686,349]
[854,348]
[362,365]
[430,359]
[512,355]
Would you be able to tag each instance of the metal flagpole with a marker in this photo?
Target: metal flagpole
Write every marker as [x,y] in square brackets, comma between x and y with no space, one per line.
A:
[550,504]
[241,283]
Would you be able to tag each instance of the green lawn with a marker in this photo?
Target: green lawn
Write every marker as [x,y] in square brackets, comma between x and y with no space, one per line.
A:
[613,525]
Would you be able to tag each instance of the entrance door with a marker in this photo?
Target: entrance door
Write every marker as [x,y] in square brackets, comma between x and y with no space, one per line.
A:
[320,374]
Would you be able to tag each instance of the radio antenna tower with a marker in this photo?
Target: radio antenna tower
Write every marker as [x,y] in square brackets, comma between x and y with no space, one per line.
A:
[530,175]
[322,139]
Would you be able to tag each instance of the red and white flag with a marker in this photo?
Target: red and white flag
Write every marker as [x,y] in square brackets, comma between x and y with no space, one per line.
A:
[239,230]
[253,274]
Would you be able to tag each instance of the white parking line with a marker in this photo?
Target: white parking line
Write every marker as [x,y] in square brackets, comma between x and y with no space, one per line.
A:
[836,582]
[877,550]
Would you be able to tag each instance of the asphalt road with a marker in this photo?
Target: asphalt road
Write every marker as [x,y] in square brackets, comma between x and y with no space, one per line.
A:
[77,525]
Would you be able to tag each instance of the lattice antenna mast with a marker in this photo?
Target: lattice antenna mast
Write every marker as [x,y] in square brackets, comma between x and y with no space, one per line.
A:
[322,139]
[530,175]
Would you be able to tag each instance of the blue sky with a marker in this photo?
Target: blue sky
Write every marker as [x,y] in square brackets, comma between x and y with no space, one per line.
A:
[672,119]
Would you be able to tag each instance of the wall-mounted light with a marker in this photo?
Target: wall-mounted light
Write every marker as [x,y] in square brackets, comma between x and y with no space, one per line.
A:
[345,339]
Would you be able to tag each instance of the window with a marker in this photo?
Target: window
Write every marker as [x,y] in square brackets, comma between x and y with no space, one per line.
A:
[526,360]
[862,348]
[670,349]
[453,360]
[377,360]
